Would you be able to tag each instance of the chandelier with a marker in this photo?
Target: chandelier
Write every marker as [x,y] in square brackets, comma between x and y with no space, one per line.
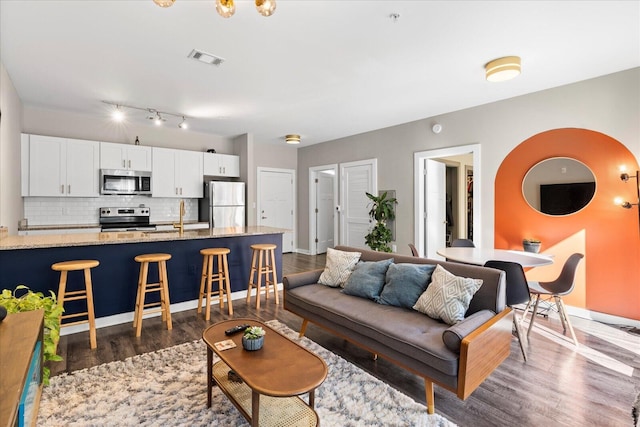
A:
[226,8]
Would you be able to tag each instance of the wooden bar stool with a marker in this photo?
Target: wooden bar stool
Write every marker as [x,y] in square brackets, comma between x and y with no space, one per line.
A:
[163,306]
[221,276]
[87,294]
[263,263]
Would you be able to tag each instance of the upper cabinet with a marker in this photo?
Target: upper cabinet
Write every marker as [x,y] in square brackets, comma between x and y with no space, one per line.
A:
[177,173]
[221,165]
[59,167]
[124,156]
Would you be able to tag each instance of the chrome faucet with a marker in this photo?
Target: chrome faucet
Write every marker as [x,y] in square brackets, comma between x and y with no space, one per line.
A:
[180,225]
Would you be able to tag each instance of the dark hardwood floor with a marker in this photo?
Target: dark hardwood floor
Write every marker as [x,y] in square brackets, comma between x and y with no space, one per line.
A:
[592,385]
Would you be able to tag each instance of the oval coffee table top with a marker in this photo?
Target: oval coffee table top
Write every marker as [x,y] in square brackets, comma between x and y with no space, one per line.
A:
[280,368]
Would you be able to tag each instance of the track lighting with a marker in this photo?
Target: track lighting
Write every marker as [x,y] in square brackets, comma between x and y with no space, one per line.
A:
[183,124]
[226,8]
[158,117]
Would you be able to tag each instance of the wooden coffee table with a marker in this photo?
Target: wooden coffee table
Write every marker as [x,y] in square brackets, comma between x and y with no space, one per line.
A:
[272,377]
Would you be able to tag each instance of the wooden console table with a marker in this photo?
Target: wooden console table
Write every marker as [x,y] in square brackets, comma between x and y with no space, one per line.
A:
[21,367]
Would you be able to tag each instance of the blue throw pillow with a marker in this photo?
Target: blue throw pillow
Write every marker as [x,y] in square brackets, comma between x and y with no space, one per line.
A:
[367,279]
[405,283]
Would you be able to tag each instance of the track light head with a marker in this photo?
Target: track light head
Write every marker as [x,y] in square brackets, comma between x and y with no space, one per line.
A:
[183,124]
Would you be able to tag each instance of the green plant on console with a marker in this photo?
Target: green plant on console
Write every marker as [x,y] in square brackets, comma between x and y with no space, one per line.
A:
[382,210]
[30,301]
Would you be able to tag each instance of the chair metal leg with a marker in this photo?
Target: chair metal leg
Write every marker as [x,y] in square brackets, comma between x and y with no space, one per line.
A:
[516,323]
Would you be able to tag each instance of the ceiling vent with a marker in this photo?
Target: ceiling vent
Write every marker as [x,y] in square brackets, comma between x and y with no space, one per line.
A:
[205,57]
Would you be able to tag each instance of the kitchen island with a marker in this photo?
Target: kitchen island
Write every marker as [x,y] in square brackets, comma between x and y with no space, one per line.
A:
[27,260]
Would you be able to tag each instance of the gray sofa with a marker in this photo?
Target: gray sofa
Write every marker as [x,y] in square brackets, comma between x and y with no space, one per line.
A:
[408,338]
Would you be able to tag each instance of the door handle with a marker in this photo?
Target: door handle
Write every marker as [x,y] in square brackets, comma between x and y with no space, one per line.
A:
[264,217]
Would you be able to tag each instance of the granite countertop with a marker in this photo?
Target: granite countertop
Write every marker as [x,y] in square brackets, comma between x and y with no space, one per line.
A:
[107,238]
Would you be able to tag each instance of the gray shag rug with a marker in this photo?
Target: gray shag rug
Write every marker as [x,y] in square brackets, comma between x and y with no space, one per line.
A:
[169,388]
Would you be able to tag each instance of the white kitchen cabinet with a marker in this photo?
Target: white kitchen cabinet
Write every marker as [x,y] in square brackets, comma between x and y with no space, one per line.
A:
[221,165]
[61,167]
[177,173]
[123,156]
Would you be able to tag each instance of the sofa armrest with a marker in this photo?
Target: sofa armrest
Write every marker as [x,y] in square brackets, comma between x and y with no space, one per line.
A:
[292,281]
[483,350]
[454,335]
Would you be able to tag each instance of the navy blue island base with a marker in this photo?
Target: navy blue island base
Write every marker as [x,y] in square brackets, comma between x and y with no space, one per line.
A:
[115,279]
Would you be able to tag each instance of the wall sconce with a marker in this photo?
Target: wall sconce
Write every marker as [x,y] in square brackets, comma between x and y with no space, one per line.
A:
[624,176]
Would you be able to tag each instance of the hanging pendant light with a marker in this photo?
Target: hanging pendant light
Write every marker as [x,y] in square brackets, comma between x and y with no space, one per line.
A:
[266,7]
[164,3]
[225,8]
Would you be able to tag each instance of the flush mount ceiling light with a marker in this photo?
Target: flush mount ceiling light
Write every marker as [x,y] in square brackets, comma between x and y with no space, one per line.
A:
[226,8]
[204,57]
[164,3]
[503,69]
[154,115]
[292,139]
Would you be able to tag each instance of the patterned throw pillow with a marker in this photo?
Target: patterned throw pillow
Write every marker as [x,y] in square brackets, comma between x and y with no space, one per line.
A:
[448,296]
[338,268]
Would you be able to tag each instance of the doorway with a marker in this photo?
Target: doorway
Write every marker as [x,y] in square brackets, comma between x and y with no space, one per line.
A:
[429,226]
[323,217]
[276,202]
[356,179]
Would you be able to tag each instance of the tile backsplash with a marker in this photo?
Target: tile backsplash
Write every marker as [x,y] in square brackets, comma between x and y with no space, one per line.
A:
[84,211]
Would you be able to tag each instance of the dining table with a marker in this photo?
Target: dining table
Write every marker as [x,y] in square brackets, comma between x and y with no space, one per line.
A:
[479,256]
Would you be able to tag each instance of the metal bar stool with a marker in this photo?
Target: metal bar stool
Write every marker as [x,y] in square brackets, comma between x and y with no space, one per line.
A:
[263,263]
[163,306]
[84,294]
[209,275]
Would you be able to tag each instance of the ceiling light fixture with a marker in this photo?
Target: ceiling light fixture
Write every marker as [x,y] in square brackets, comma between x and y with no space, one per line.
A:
[266,7]
[225,8]
[158,117]
[118,114]
[164,3]
[503,69]
[624,176]
[292,139]
[183,124]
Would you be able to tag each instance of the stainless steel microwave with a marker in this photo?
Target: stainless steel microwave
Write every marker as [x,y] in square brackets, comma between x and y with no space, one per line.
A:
[116,181]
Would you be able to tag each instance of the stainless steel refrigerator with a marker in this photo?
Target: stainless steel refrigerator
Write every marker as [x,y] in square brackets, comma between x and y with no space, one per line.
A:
[223,204]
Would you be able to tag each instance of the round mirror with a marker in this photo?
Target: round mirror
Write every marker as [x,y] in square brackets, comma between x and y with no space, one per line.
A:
[559,186]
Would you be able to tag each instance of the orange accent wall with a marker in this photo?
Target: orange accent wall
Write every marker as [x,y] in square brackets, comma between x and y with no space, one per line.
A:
[608,280]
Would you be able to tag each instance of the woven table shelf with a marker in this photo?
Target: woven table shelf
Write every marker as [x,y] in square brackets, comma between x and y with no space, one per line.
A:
[274,411]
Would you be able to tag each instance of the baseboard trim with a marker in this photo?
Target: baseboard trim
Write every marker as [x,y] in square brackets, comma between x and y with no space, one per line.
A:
[118,319]
[601,317]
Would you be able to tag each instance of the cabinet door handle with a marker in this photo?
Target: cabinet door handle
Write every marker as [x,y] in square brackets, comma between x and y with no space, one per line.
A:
[129,164]
[181,191]
[62,188]
[69,189]
[176,191]
[124,163]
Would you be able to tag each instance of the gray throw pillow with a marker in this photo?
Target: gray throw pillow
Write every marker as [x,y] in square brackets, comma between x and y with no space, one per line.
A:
[338,267]
[367,279]
[405,283]
[448,297]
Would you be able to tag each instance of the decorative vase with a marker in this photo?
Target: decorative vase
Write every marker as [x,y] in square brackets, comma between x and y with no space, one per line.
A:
[252,345]
[531,246]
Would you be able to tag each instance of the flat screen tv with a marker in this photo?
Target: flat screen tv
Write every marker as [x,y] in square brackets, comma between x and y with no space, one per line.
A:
[564,199]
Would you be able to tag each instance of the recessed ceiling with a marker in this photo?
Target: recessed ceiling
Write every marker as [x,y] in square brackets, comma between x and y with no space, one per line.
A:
[321,69]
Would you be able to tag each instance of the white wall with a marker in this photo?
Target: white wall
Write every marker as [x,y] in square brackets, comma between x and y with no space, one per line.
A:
[608,104]
[10,128]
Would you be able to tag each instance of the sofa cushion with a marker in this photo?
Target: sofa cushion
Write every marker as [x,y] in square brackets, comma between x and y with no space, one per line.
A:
[367,279]
[454,335]
[405,283]
[338,268]
[448,296]
[411,335]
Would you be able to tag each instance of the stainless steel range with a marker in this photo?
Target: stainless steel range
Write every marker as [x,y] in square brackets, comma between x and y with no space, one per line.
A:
[125,219]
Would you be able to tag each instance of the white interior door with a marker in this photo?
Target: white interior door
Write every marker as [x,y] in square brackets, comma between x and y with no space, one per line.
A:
[325,211]
[357,178]
[276,202]
[435,204]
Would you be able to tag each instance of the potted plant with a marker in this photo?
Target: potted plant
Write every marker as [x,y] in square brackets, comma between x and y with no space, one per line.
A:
[531,245]
[382,210]
[37,301]
[253,338]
